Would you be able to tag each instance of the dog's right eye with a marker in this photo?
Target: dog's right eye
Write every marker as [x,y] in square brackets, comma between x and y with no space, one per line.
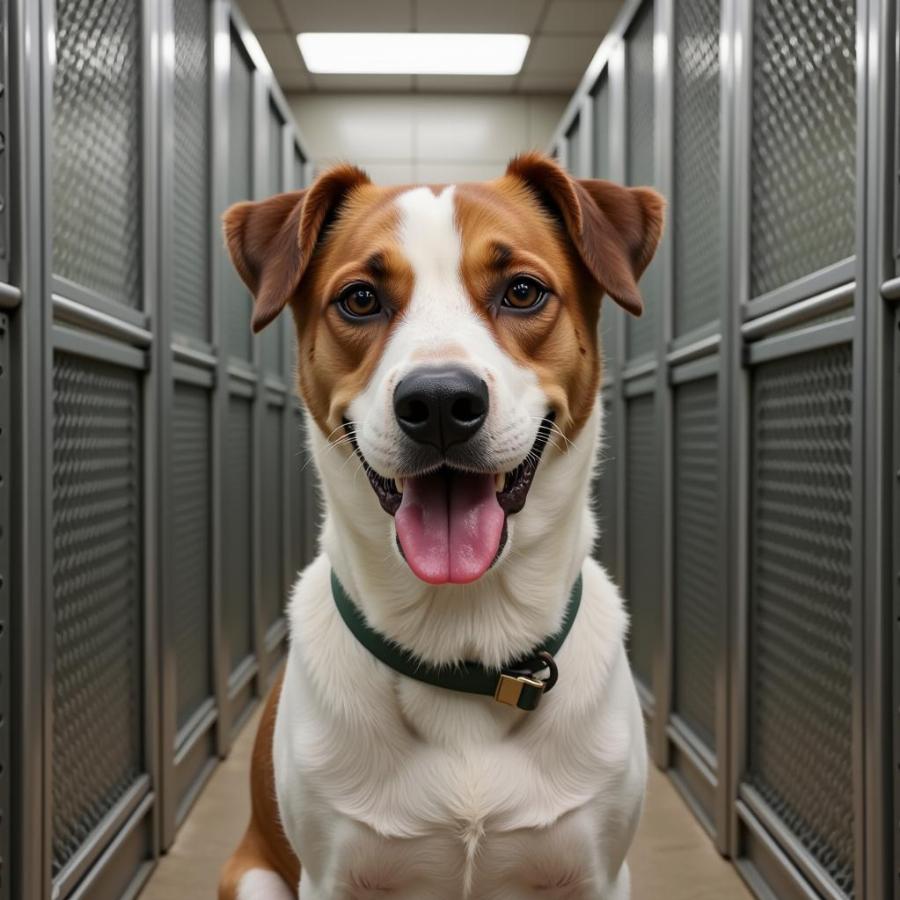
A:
[359,301]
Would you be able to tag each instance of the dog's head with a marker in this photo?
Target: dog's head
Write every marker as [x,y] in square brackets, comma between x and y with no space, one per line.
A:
[448,335]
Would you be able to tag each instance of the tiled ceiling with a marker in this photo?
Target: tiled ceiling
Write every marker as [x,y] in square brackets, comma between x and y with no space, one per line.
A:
[564,35]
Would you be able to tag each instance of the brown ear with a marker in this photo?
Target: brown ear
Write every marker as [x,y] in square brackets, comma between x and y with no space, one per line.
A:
[615,229]
[272,241]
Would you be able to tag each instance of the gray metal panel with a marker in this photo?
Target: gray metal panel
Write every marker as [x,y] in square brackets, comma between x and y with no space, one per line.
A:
[6,717]
[189,528]
[97,160]
[800,660]
[97,751]
[272,339]
[272,519]
[237,537]
[610,312]
[573,148]
[293,422]
[275,168]
[697,556]
[605,491]
[602,163]
[610,325]
[311,509]
[697,231]
[642,581]
[894,568]
[641,334]
[235,298]
[5,143]
[803,154]
[191,172]
[298,170]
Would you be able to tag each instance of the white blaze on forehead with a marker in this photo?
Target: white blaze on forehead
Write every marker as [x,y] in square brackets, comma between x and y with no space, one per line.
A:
[440,313]
[428,233]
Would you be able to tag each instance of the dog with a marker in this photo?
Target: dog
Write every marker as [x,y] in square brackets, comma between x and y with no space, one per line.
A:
[457,717]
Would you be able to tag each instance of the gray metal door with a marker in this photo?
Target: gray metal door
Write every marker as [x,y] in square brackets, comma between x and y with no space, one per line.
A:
[639,426]
[610,471]
[699,303]
[273,415]
[800,772]
[100,766]
[9,296]
[186,367]
[304,506]
[6,770]
[241,627]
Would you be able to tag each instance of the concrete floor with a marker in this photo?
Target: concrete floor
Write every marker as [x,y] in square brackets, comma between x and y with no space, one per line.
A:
[672,857]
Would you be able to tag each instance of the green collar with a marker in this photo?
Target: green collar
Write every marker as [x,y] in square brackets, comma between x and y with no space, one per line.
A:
[516,684]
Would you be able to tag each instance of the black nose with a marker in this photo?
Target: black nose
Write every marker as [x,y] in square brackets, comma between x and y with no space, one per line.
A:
[441,407]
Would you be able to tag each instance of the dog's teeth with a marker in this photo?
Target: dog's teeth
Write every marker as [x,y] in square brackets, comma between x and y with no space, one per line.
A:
[398,484]
[499,481]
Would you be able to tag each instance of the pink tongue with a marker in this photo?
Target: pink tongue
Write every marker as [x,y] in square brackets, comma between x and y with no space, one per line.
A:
[449,526]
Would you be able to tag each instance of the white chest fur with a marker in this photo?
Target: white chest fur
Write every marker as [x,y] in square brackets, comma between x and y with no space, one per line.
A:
[391,788]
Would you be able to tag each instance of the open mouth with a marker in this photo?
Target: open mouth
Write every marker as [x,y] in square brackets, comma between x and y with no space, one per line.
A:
[451,523]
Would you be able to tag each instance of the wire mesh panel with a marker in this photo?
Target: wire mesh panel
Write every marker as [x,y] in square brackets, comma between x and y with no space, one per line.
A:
[96,147]
[190,130]
[697,555]
[606,490]
[800,602]
[803,157]
[642,582]
[237,533]
[97,596]
[191,543]
[273,491]
[697,231]
[641,333]
[236,301]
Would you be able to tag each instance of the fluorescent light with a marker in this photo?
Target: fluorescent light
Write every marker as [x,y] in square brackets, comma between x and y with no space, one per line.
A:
[407,53]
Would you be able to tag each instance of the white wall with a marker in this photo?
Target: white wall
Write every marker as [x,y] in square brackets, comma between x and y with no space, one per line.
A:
[404,138]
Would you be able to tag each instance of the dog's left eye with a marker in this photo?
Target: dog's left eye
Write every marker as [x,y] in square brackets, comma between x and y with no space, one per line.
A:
[359,301]
[524,293]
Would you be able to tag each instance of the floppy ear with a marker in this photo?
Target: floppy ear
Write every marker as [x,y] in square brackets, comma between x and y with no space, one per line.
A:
[272,241]
[615,229]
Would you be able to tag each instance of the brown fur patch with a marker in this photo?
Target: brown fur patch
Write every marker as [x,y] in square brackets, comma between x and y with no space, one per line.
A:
[345,354]
[264,845]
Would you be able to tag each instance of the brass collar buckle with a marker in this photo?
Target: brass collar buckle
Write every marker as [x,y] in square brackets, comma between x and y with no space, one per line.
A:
[519,685]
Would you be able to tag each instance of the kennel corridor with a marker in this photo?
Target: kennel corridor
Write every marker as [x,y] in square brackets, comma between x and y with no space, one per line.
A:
[156,500]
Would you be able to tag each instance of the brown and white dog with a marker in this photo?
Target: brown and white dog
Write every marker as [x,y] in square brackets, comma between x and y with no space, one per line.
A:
[449,362]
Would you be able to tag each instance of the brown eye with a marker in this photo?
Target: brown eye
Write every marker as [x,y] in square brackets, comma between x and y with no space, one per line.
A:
[524,293]
[359,301]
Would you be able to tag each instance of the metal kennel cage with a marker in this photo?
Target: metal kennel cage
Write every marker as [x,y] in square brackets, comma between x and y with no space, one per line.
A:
[154,502]
[752,421]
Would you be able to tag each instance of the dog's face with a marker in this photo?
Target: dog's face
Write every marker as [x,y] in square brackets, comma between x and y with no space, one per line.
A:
[448,335]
